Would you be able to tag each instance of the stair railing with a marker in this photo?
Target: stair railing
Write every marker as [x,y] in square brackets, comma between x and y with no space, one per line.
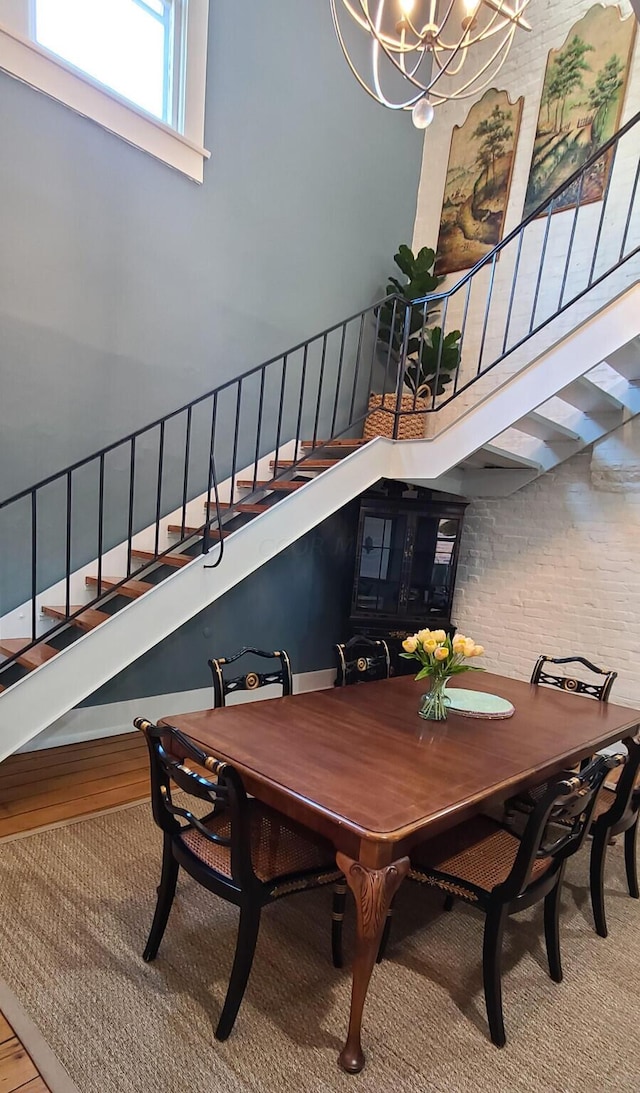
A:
[315,391]
[563,249]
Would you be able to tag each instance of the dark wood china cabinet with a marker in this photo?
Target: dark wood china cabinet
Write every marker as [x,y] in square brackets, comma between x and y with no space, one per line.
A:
[407,550]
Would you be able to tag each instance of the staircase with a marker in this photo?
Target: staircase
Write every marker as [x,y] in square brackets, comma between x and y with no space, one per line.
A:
[215,491]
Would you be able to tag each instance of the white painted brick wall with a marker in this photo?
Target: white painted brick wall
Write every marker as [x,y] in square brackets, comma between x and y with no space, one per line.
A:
[523,74]
[555,568]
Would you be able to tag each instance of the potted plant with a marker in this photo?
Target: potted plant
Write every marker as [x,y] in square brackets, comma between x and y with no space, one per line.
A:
[431,357]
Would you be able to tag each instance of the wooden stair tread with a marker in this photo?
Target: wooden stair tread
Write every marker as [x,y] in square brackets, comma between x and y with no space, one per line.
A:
[131,589]
[355,442]
[176,529]
[174,560]
[88,620]
[307,465]
[282,486]
[34,657]
[257,506]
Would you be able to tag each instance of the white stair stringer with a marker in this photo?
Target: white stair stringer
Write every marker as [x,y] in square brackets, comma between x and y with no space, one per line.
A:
[448,462]
[477,456]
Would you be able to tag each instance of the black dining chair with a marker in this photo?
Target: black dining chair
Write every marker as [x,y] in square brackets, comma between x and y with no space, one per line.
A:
[362,660]
[487,866]
[600,691]
[616,813]
[251,680]
[617,809]
[241,850]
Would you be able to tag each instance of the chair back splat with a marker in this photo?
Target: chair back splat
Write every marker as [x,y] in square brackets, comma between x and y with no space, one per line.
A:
[251,680]
[558,824]
[600,691]
[362,660]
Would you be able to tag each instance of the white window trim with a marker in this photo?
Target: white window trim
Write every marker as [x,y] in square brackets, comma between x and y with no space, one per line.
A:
[27,61]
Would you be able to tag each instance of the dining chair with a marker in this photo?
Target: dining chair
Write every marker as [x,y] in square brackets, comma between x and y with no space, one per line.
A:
[241,850]
[251,680]
[617,809]
[487,866]
[616,812]
[600,691]
[362,660]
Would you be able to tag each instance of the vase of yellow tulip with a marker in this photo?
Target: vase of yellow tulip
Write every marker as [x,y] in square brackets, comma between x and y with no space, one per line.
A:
[440,657]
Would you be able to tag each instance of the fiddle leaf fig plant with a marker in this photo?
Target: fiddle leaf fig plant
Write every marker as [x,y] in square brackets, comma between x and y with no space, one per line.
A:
[431,357]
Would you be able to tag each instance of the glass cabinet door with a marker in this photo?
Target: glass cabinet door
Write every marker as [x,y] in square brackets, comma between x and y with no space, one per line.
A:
[432,566]
[379,564]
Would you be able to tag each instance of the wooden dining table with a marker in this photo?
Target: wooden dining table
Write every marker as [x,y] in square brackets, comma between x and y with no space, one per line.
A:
[358,765]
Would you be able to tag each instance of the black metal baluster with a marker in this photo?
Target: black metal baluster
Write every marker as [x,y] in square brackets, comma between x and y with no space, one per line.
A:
[320,382]
[425,309]
[463,327]
[570,247]
[283,382]
[356,370]
[402,364]
[132,478]
[486,314]
[392,332]
[303,380]
[185,481]
[159,491]
[206,538]
[338,380]
[259,429]
[67,560]
[436,382]
[100,520]
[514,281]
[629,211]
[541,266]
[603,211]
[34,562]
[374,349]
[236,433]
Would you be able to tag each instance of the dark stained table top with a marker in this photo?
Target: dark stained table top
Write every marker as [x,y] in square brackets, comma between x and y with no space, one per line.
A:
[363,759]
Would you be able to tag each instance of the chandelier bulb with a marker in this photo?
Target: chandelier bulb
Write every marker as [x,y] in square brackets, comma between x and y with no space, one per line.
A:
[422,114]
[406,6]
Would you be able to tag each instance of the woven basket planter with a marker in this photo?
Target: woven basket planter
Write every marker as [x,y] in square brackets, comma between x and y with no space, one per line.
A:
[411,425]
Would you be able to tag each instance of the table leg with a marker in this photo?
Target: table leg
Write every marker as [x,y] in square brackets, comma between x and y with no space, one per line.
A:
[373,890]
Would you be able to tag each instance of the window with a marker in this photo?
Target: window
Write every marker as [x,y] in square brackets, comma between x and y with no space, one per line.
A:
[135,66]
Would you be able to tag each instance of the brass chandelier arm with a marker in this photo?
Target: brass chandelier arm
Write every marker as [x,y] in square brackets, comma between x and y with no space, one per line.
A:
[446,80]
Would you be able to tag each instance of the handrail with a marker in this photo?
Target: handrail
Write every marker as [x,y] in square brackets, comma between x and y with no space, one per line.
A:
[181,409]
[315,391]
[519,228]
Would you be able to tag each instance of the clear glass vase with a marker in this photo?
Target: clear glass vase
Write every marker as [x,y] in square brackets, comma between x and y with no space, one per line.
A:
[434,704]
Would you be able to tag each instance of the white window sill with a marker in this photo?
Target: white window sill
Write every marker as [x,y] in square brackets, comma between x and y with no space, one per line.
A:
[27,61]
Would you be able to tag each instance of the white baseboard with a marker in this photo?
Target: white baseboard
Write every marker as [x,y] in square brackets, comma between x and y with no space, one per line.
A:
[115,718]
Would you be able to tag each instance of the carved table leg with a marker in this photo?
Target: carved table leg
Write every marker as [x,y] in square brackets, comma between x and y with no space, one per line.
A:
[373,890]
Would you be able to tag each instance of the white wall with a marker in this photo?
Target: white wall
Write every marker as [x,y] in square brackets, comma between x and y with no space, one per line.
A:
[523,74]
[555,567]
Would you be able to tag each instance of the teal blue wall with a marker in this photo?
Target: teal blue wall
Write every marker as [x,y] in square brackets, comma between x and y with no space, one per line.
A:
[126,289]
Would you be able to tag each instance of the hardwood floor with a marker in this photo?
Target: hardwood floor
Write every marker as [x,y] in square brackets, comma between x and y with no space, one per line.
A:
[44,787]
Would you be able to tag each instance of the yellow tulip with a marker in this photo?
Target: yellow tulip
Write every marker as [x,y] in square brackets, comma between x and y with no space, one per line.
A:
[458,644]
[469,647]
[439,635]
[430,646]
[441,652]
[410,644]
[478,651]
[424,635]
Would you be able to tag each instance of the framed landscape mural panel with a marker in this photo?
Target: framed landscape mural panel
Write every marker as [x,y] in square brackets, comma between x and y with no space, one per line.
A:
[582,95]
[478,179]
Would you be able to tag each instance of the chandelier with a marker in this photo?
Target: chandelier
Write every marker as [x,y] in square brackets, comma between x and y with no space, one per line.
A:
[426,52]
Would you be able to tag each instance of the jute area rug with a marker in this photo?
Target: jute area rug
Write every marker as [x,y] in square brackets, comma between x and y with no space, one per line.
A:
[75,907]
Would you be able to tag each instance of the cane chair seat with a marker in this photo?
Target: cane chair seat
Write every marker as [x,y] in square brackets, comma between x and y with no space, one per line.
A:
[279,850]
[471,860]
